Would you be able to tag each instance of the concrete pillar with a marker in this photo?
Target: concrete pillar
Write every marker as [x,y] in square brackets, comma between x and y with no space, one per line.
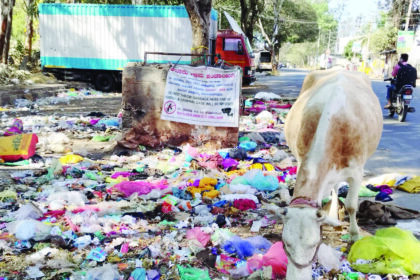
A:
[143,92]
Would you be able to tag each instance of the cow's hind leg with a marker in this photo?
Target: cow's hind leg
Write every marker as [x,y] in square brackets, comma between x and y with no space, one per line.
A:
[352,203]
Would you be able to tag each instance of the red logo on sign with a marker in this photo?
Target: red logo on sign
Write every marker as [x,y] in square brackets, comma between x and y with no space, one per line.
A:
[169,107]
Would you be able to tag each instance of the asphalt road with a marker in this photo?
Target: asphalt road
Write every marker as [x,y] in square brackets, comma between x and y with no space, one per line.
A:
[399,148]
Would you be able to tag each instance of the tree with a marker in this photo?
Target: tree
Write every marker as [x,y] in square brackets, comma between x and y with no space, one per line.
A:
[5,53]
[31,13]
[6,9]
[287,21]
[250,11]
[272,40]
[199,14]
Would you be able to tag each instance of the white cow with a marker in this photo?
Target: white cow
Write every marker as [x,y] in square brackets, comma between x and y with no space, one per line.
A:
[332,129]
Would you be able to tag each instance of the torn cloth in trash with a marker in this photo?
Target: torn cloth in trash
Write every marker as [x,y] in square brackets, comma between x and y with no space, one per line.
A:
[375,212]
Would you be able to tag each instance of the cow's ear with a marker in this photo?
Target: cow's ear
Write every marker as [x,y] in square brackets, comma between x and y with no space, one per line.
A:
[324,219]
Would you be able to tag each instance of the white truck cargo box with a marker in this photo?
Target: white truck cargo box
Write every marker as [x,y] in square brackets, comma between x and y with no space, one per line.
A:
[107,37]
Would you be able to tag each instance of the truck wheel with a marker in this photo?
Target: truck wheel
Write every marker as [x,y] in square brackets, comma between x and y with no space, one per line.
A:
[104,82]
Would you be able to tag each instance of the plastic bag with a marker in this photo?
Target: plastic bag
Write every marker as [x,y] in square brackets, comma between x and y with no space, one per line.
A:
[191,273]
[241,247]
[277,259]
[248,145]
[105,272]
[328,257]
[29,229]
[389,251]
[27,211]
[411,186]
[197,233]
[15,128]
[138,274]
[139,187]
[70,159]
[16,147]
[256,179]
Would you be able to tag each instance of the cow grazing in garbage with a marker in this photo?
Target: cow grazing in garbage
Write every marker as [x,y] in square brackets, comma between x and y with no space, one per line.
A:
[332,129]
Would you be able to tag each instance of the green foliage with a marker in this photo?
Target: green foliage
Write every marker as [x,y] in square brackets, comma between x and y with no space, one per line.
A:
[233,7]
[19,23]
[384,38]
[18,52]
[297,22]
[324,18]
[348,52]
[299,54]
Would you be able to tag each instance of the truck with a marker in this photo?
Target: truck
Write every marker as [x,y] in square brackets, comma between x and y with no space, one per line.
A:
[234,48]
[94,42]
[264,61]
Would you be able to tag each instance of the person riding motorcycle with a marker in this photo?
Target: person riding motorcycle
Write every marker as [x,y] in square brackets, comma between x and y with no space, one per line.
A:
[398,82]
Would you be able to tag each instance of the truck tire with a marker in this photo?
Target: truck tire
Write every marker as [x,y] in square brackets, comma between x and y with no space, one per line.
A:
[104,82]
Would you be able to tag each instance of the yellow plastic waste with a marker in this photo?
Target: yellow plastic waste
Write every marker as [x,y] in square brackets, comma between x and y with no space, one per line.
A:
[263,166]
[411,186]
[70,159]
[238,172]
[206,181]
[389,251]
[211,194]
[117,180]
[194,190]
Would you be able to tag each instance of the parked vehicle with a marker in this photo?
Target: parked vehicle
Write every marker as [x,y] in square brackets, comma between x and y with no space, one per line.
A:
[93,42]
[401,101]
[235,49]
[264,61]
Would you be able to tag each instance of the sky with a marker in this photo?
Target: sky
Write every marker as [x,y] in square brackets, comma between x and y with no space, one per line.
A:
[366,9]
[355,8]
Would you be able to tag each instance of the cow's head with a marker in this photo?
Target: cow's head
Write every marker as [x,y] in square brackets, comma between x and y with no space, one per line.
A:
[301,237]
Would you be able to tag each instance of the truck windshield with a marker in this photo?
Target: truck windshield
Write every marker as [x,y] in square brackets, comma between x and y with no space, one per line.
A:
[248,47]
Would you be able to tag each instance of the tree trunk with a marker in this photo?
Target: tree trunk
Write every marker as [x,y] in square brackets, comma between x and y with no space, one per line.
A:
[5,6]
[249,16]
[8,34]
[29,28]
[199,14]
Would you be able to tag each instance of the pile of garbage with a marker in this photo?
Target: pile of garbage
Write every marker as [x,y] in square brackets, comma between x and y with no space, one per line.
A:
[175,213]
[10,75]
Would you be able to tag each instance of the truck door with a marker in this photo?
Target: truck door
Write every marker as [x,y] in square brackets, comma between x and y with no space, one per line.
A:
[233,51]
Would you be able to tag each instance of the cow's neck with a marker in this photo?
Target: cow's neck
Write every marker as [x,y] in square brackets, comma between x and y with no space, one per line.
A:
[294,272]
[312,181]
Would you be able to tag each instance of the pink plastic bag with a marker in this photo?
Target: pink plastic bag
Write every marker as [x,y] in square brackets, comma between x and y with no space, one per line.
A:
[139,187]
[276,257]
[197,234]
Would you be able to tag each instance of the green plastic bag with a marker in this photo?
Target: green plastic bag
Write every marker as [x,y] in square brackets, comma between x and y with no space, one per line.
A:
[365,192]
[389,251]
[100,138]
[191,273]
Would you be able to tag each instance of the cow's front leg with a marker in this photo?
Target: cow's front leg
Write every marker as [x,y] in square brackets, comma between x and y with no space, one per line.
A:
[352,204]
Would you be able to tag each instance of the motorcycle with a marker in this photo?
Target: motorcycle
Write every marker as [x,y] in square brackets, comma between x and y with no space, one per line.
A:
[400,101]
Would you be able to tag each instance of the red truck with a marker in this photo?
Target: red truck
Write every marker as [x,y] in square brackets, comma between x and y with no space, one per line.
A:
[235,49]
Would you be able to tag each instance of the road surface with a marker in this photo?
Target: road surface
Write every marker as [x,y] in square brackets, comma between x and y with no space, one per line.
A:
[399,148]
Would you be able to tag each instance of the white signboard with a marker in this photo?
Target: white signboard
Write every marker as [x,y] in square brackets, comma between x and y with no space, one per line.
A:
[202,96]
